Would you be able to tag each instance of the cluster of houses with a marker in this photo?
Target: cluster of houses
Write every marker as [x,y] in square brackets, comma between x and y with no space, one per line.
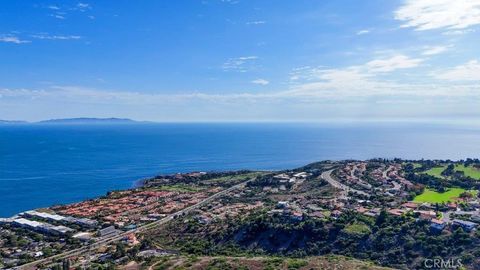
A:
[285,181]
[352,173]
[378,179]
[393,185]
[124,208]
[46,223]
[221,211]
[438,220]
[290,210]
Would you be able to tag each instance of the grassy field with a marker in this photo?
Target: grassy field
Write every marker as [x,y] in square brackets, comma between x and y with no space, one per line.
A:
[432,196]
[468,171]
[416,165]
[357,228]
[179,188]
[436,171]
[234,178]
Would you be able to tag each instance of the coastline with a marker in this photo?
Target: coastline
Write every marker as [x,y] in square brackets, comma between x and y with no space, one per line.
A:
[47,165]
[317,192]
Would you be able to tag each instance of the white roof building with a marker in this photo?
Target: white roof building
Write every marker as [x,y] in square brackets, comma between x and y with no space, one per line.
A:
[44,215]
[28,223]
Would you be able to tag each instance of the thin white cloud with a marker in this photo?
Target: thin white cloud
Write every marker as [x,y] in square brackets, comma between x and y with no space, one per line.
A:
[62,13]
[458,32]
[369,80]
[393,63]
[89,95]
[330,85]
[58,16]
[83,6]
[256,22]
[233,2]
[352,83]
[240,64]
[56,37]
[363,32]
[469,71]
[433,50]
[260,81]
[13,39]
[437,14]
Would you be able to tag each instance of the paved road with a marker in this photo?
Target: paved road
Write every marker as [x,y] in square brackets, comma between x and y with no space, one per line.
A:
[327,176]
[108,240]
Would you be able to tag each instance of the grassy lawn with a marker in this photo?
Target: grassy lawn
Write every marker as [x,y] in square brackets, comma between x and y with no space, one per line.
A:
[468,171]
[234,178]
[432,196]
[357,228]
[416,165]
[436,171]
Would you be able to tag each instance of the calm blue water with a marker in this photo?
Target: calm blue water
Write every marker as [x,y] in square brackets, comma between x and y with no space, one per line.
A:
[41,165]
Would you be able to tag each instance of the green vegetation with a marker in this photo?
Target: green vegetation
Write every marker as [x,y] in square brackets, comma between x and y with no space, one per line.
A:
[417,165]
[296,263]
[399,242]
[436,171]
[273,263]
[431,196]
[179,188]
[229,179]
[358,229]
[469,171]
[218,264]
[263,262]
[413,165]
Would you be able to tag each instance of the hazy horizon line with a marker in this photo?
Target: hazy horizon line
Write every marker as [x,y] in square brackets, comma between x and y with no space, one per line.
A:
[464,120]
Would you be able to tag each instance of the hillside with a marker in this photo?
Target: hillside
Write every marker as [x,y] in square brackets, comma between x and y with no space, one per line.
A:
[260,263]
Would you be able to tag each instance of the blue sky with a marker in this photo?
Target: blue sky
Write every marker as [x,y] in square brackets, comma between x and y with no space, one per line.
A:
[238,60]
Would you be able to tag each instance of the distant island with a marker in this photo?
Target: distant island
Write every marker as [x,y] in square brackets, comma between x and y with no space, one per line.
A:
[76,121]
[12,122]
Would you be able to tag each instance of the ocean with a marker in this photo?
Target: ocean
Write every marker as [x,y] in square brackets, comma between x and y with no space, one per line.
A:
[43,165]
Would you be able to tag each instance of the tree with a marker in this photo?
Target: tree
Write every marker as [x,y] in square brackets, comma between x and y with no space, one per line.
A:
[66,264]
[120,250]
[466,195]
[450,170]
[382,217]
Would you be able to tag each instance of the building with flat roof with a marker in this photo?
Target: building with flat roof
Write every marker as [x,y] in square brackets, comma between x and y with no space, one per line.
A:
[41,226]
[108,231]
[437,224]
[47,216]
[61,229]
[23,222]
[466,225]
[85,222]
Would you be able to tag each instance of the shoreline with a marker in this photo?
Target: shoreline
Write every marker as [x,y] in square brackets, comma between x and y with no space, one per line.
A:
[136,184]
[320,191]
